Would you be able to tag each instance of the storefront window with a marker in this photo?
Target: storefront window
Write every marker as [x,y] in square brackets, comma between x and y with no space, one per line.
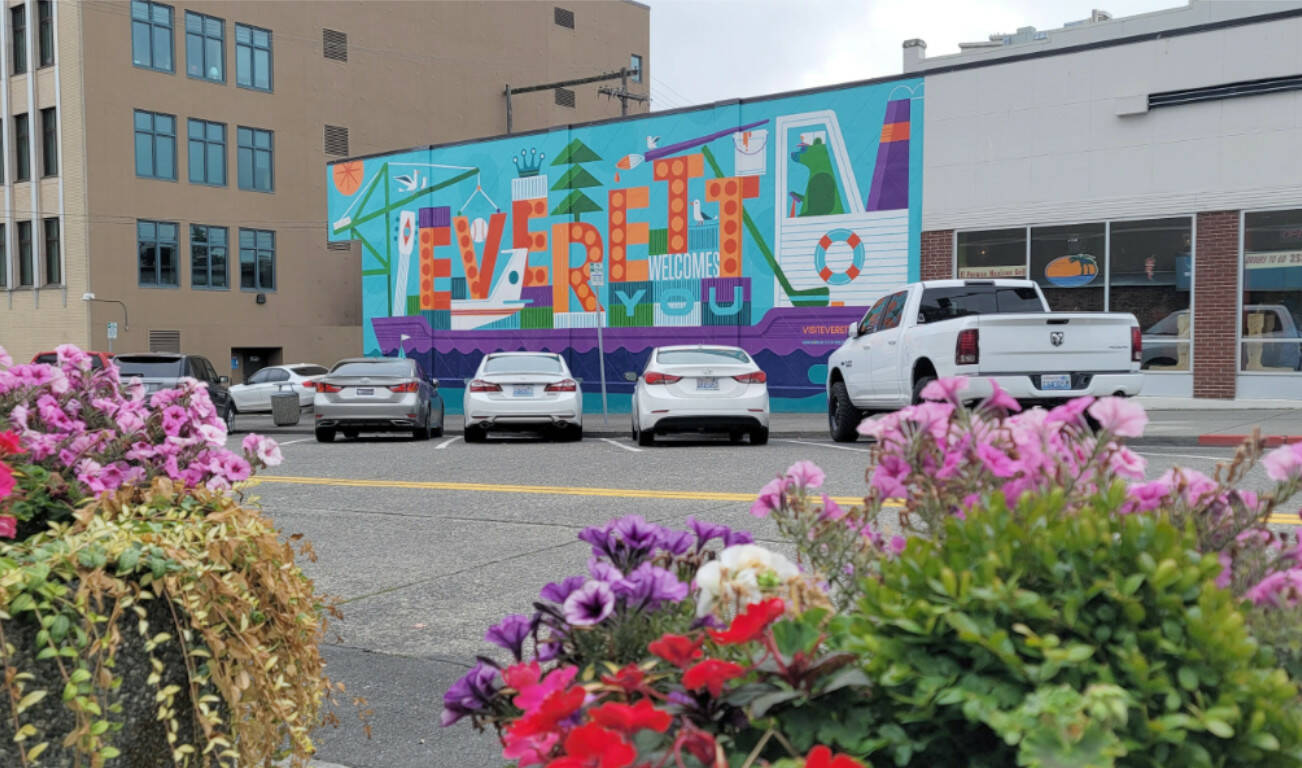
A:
[1272,291]
[1149,276]
[1068,264]
[993,253]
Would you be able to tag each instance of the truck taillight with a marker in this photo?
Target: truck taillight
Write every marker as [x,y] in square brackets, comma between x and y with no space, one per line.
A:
[564,385]
[756,377]
[479,385]
[967,350]
[1136,345]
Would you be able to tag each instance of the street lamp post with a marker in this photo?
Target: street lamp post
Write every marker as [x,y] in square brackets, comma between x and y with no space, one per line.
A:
[126,324]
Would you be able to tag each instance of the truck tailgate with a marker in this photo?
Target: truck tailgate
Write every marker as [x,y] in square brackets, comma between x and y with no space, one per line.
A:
[1054,342]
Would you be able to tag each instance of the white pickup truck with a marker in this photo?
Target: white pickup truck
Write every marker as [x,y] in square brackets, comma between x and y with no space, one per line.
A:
[986,329]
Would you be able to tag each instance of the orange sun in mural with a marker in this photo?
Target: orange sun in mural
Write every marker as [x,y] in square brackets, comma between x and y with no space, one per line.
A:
[348,177]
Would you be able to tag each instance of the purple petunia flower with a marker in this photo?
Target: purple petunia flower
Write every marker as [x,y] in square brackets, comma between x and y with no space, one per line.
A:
[675,543]
[589,604]
[706,531]
[637,533]
[471,694]
[510,634]
[603,540]
[737,537]
[603,571]
[558,592]
[649,586]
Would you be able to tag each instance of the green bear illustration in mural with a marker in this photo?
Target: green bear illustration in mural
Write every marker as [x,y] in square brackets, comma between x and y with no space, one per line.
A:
[821,197]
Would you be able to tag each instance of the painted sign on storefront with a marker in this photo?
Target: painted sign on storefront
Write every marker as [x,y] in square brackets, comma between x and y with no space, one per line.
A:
[766,224]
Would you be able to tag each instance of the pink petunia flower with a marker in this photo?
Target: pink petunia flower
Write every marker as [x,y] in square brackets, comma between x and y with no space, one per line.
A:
[1120,416]
[5,360]
[1284,463]
[806,474]
[770,498]
[946,389]
[1001,399]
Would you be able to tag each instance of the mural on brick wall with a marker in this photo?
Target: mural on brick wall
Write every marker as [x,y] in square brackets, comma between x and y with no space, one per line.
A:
[766,224]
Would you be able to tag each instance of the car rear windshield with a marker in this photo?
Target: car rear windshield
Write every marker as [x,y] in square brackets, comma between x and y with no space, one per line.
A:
[378,368]
[701,356]
[150,367]
[309,370]
[523,364]
[960,301]
[52,358]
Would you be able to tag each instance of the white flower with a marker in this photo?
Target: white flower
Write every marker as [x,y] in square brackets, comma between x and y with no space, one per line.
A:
[736,576]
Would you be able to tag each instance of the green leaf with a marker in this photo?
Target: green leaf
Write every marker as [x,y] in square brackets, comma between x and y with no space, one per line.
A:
[792,636]
[30,700]
[1218,727]
[1132,584]
[128,559]
[761,705]
[59,628]
[1188,678]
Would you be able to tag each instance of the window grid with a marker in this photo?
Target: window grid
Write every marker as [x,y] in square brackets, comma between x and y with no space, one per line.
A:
[334,44]
[257,260]
[53,261]
[253,57]
[205,47]
[151,35]
[18,38]
[45,14]
[155,145]
[207,152]
[49,142]
[256,159]
[208,258]
[26,268]
[22,149]
[563,17]
[156,248]
[635,64]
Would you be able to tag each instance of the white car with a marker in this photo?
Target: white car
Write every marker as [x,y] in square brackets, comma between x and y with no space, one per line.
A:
[701,389]
[523,391]
[254,395]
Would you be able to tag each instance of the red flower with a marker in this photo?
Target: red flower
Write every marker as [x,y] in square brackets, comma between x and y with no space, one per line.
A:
[629,679]
[711,674]
[591,746]
[700,745]
[676,649]
[8,527]
[546,718]
[521,675]
[821,757]
[629,719]
[750,623]
[9,443]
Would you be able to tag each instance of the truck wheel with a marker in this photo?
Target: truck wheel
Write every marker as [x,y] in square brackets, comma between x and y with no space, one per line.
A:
[842,417]
[920,385]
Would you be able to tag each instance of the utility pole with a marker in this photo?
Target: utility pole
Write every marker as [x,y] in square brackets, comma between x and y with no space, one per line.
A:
[622,94]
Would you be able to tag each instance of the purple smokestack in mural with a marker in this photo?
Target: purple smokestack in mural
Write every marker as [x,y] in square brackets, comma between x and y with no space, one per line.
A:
[890,189]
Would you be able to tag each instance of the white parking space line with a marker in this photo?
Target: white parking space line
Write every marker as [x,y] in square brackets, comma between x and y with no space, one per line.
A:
[446,443]
[1186,456]
[293,442]
[618,444]
[827,445]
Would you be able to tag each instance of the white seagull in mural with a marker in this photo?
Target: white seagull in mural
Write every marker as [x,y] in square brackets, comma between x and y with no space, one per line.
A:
[699,216]
[652,142]
[409,182]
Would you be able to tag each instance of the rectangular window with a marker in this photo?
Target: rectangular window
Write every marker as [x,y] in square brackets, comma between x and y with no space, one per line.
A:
[257,260]
[45,12]
[635,64]
[4,260]
[256,153]
[1150,269]
[49,142]
[18,28]
[991,254]
[156,247]
[53,261]
[252,57]
[205,47]
[22,149]
[151,35]
[1068,264]
[26,267]
[155,145]
[1272,291]
[208,257]
[207,152]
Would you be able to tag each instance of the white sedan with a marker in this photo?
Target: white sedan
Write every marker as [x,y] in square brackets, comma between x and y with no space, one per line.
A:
[523,391]
[701,389]
[254,395]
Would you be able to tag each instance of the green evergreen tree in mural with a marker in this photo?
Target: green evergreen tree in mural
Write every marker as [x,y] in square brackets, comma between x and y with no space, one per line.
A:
[575,180]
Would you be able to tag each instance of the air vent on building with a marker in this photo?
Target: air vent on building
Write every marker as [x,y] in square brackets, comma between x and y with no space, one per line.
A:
[335,44]
[564,97]
[336,140]
[1225,91]
[564,18]
[164,341]
[340,246]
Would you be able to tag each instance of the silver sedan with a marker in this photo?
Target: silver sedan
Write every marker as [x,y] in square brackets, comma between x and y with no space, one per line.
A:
[377,394]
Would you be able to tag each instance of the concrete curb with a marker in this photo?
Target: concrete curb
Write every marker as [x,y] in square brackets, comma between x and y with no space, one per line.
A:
[1186,441]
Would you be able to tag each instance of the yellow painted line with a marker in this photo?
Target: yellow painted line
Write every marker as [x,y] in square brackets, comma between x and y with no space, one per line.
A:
[553,490]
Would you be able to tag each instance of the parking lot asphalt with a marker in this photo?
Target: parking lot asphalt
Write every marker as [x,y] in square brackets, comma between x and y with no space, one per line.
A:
[426,544]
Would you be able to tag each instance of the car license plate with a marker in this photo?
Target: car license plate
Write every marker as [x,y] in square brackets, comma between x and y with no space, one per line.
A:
[365,391]
[522,391]
[707,384]
[1055,382]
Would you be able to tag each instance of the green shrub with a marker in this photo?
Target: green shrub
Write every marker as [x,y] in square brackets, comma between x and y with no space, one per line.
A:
[1033,637]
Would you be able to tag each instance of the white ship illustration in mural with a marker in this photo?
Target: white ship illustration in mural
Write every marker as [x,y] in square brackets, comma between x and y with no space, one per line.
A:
[503,302]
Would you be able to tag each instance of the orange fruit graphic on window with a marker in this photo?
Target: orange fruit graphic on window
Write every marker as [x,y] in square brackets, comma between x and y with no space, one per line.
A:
[348,177]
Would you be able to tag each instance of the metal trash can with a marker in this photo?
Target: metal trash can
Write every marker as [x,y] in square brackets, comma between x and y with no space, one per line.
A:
[285,409]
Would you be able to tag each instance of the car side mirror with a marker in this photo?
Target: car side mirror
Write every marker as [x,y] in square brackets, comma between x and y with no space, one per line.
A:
[854,331]
[433,382]
[223,380]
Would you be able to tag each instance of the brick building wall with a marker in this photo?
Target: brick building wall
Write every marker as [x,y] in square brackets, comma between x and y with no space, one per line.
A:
[937,248]
[1216,304]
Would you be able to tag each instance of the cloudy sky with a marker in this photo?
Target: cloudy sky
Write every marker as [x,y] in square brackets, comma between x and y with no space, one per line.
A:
[710,50]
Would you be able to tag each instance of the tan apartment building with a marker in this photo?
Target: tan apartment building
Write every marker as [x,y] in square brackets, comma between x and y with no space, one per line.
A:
[169,158]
